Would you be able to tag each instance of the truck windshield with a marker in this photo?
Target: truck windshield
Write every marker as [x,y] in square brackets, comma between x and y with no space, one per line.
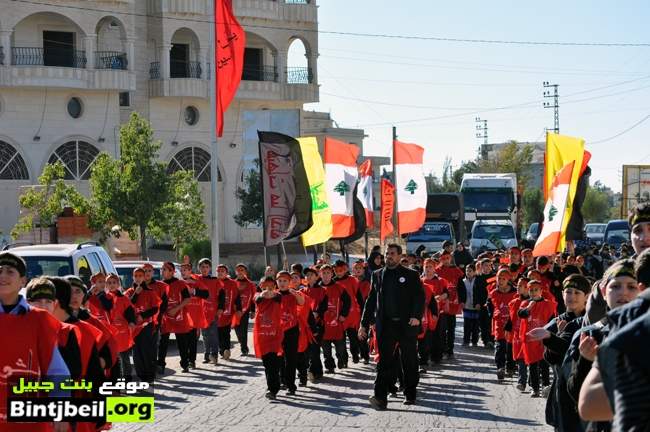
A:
[493,231]
[494,200]
[431,232]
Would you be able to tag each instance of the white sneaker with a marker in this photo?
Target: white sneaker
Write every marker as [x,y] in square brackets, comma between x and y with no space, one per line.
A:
[546,391]
[226,354]
[214,359]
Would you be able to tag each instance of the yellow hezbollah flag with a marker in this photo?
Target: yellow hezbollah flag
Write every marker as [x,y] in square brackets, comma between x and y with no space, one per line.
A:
[321,230]
[560,151]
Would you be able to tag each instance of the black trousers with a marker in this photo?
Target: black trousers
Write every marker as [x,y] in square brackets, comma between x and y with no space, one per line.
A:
[193,344]
[352,336]
[436,347]
[144,354]
[241,331]
[341,353]
[224,339]
[503,355]
[485,325]
[313,354]
[534,376]
[364,349]
[392,334]
[302,365]
[424,347]
[271,363]
[470,330]
[183,342]
[289,359]
[449,333]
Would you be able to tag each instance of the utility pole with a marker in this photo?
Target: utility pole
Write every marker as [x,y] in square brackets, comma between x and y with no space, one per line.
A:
[482,134]
[555,94]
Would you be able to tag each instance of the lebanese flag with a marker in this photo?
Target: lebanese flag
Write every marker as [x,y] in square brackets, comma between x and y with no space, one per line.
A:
[387,206]
[341,175]
[554,213]
[410,185]
[229,57]
[364,191]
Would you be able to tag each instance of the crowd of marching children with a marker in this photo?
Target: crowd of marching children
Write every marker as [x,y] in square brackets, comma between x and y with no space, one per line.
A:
[573,333]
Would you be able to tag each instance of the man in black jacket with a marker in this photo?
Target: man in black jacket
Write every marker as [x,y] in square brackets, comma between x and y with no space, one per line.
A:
[395,305]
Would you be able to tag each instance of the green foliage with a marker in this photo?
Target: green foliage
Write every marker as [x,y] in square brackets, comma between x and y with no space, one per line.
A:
[596,208]
[133,191]
[196,249]
[252,202]
[47,200]
[512,158]
[533,206]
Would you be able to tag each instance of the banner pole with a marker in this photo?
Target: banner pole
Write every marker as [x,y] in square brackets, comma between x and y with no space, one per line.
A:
[214,154]
[395,212]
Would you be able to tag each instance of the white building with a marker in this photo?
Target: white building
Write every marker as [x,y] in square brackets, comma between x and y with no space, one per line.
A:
[72,71]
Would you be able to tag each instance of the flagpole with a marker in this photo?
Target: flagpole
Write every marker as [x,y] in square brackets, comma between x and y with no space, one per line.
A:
[214,156]
[395,213]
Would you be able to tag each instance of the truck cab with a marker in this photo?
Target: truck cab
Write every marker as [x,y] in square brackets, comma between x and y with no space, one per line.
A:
[431,236]
[490,197]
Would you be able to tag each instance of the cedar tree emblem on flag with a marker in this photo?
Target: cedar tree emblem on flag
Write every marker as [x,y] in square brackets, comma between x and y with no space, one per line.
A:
[552,212]
[411,187]
[342,188]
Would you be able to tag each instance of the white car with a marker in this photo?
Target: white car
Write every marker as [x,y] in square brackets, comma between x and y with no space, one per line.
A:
[83,259]
[125,270]
[491,235]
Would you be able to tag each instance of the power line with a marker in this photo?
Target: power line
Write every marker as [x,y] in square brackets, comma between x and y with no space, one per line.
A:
[359,34]
[622,132]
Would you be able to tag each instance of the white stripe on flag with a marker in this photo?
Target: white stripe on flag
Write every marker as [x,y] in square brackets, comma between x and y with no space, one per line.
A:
[341,195]
[411,187]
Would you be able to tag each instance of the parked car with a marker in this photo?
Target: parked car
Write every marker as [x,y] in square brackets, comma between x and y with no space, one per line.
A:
[617,232]
[491,235]
[125,270]
[83,259]
[595,232]
[533,232]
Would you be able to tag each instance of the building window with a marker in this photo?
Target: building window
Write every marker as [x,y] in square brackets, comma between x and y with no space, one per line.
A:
[193,159]
[12,164]
[77,158]
[75,107]
[125,99]
[191,115]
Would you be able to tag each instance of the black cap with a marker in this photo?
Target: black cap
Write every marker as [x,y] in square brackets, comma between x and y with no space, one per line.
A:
[13,260]
[578,282]
[40,288]
[63,290]
[340,263]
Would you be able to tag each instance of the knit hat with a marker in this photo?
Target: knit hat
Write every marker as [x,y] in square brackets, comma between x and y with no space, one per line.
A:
[578,282]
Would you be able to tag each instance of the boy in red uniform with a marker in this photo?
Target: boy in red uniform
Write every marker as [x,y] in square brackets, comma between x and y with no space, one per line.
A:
[534,313]
[351,325]
[211,304]
[290,299]
[359,273]
[196,310]
[146,304]
[247,291]
[176,319]
[318,298]
[227,310]
[498,301]
[267,333]
[515,324]
[337,308]
[431,284]
[123,320]
[452,305]
[438,288]
[162,290]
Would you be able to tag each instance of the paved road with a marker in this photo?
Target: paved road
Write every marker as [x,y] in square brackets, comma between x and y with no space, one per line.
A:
[462,395]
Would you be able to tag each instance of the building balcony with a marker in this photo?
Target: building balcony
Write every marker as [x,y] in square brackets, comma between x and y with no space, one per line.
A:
[280,10]
[2,56]
[264,73]
[182,7]
[263,84]
[183,82]
[111,60]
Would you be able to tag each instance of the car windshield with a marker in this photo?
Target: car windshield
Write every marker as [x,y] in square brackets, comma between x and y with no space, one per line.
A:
[617,236]
[432,232]
[48,266]
[126,275]
[493,231]
[595,229]
[488,200]
[533,228]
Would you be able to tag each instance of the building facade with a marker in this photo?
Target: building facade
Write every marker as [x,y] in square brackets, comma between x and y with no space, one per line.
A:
[72,71]
[534,170]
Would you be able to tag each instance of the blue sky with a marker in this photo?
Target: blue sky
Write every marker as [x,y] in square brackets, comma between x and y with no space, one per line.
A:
[604,90]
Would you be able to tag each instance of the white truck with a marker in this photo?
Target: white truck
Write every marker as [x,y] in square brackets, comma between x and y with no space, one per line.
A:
[490,197]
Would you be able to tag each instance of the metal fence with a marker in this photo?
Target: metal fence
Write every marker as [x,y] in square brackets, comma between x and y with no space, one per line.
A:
[263,73]
[34,56]
[299,75]
[154,70]
[2,56]
[110,60]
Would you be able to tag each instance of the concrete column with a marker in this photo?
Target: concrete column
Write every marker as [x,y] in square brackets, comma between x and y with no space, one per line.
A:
[5,43]
[130,53]
[164,61]
[90,45]
[204,58]
[281,63]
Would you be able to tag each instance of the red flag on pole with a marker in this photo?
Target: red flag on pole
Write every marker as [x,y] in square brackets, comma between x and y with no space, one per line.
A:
[386,227]
[364,191]
[229,57]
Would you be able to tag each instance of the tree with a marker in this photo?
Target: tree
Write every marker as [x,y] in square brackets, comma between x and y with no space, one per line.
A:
[533,206]
[596,208]
[182,215]
[511,158]
[133,190]
[47,200]
[252,202]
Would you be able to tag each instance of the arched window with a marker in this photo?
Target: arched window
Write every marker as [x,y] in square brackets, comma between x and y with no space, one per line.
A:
[12,164]
[77,157]
[193,159]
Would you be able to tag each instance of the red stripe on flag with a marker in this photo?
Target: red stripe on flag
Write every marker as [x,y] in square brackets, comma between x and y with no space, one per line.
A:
[547,246]
[339,152]
[370,219]
[387,206]
[410,221]
[407,153]
[342,226]
[365,169]
[563,176]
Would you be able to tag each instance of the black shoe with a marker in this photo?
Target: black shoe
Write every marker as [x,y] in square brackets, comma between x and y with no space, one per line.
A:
[423,370]
[186,370]
[206,361]
[329,371]
[302,383]
[501,374]
[409,402]
[450,355]
[291,392]
[192,365]
[377,404]
[355,360]
[160,369]
[270,396]
[366,361]
[510,373]
[283,387]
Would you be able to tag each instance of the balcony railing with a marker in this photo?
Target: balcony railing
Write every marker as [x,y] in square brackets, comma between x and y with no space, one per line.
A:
[190,69]
[299,75]
[2,56]
[297,1]
[110,60]
[31,56]
[263,73]
[154,71]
